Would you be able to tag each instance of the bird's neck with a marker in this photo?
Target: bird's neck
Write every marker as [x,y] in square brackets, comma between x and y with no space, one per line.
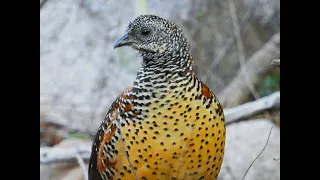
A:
[178,60]
[161,72]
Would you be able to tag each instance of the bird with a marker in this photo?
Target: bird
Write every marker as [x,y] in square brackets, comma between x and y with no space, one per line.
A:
[168,125]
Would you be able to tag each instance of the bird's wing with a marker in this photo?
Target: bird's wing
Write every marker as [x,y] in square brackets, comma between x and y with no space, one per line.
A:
[103,156]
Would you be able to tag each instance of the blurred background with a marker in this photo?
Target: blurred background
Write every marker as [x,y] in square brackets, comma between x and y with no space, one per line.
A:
[233,44]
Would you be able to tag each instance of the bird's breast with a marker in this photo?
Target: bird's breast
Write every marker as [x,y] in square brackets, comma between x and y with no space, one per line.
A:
[181,136]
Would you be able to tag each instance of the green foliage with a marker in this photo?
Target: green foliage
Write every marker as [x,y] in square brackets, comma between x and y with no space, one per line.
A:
[270,84]
[199,15]
[78,136]
[141,7]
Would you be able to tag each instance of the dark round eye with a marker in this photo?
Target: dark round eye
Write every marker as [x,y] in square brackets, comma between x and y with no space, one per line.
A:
[145,31]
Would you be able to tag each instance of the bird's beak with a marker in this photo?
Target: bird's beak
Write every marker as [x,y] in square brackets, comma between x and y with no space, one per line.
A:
[123,41]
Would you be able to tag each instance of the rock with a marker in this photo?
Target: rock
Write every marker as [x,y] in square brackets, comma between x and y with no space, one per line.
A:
[74,174]
[244,142]
[45,172]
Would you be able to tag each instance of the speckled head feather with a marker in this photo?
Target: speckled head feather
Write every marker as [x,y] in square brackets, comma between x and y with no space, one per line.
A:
[155,39]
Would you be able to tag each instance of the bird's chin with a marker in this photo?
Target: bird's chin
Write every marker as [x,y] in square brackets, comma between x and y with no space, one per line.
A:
[141,50]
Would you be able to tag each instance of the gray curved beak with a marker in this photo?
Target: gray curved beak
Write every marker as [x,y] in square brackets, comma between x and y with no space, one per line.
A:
[123,41]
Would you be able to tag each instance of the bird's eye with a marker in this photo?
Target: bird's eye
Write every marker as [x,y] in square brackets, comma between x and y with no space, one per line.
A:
[145,31]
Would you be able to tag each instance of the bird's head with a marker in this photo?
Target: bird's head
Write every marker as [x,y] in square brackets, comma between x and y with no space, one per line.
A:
[154,37]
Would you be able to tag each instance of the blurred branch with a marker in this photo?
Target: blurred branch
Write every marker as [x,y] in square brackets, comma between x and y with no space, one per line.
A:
[232,39]
[276,159]
[82,166]
[54,128]
[259,63]
[64,126]
[50,155]
[232,115]
[251,109]
[276,62]
[42,2]
[241,53]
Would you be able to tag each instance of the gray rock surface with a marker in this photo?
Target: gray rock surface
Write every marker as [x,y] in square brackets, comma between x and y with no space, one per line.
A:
[244,142]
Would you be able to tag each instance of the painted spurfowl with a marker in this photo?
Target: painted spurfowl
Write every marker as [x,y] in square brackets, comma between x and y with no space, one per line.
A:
[168,124]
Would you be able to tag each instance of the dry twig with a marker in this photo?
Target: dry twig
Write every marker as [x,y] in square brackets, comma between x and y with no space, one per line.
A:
[82,166]
[257,65]
[240,48]
[276,159]
[62,125]
[232,39]
[51,155]
[42,2]
[241,52]
[258,155]
[276,62]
